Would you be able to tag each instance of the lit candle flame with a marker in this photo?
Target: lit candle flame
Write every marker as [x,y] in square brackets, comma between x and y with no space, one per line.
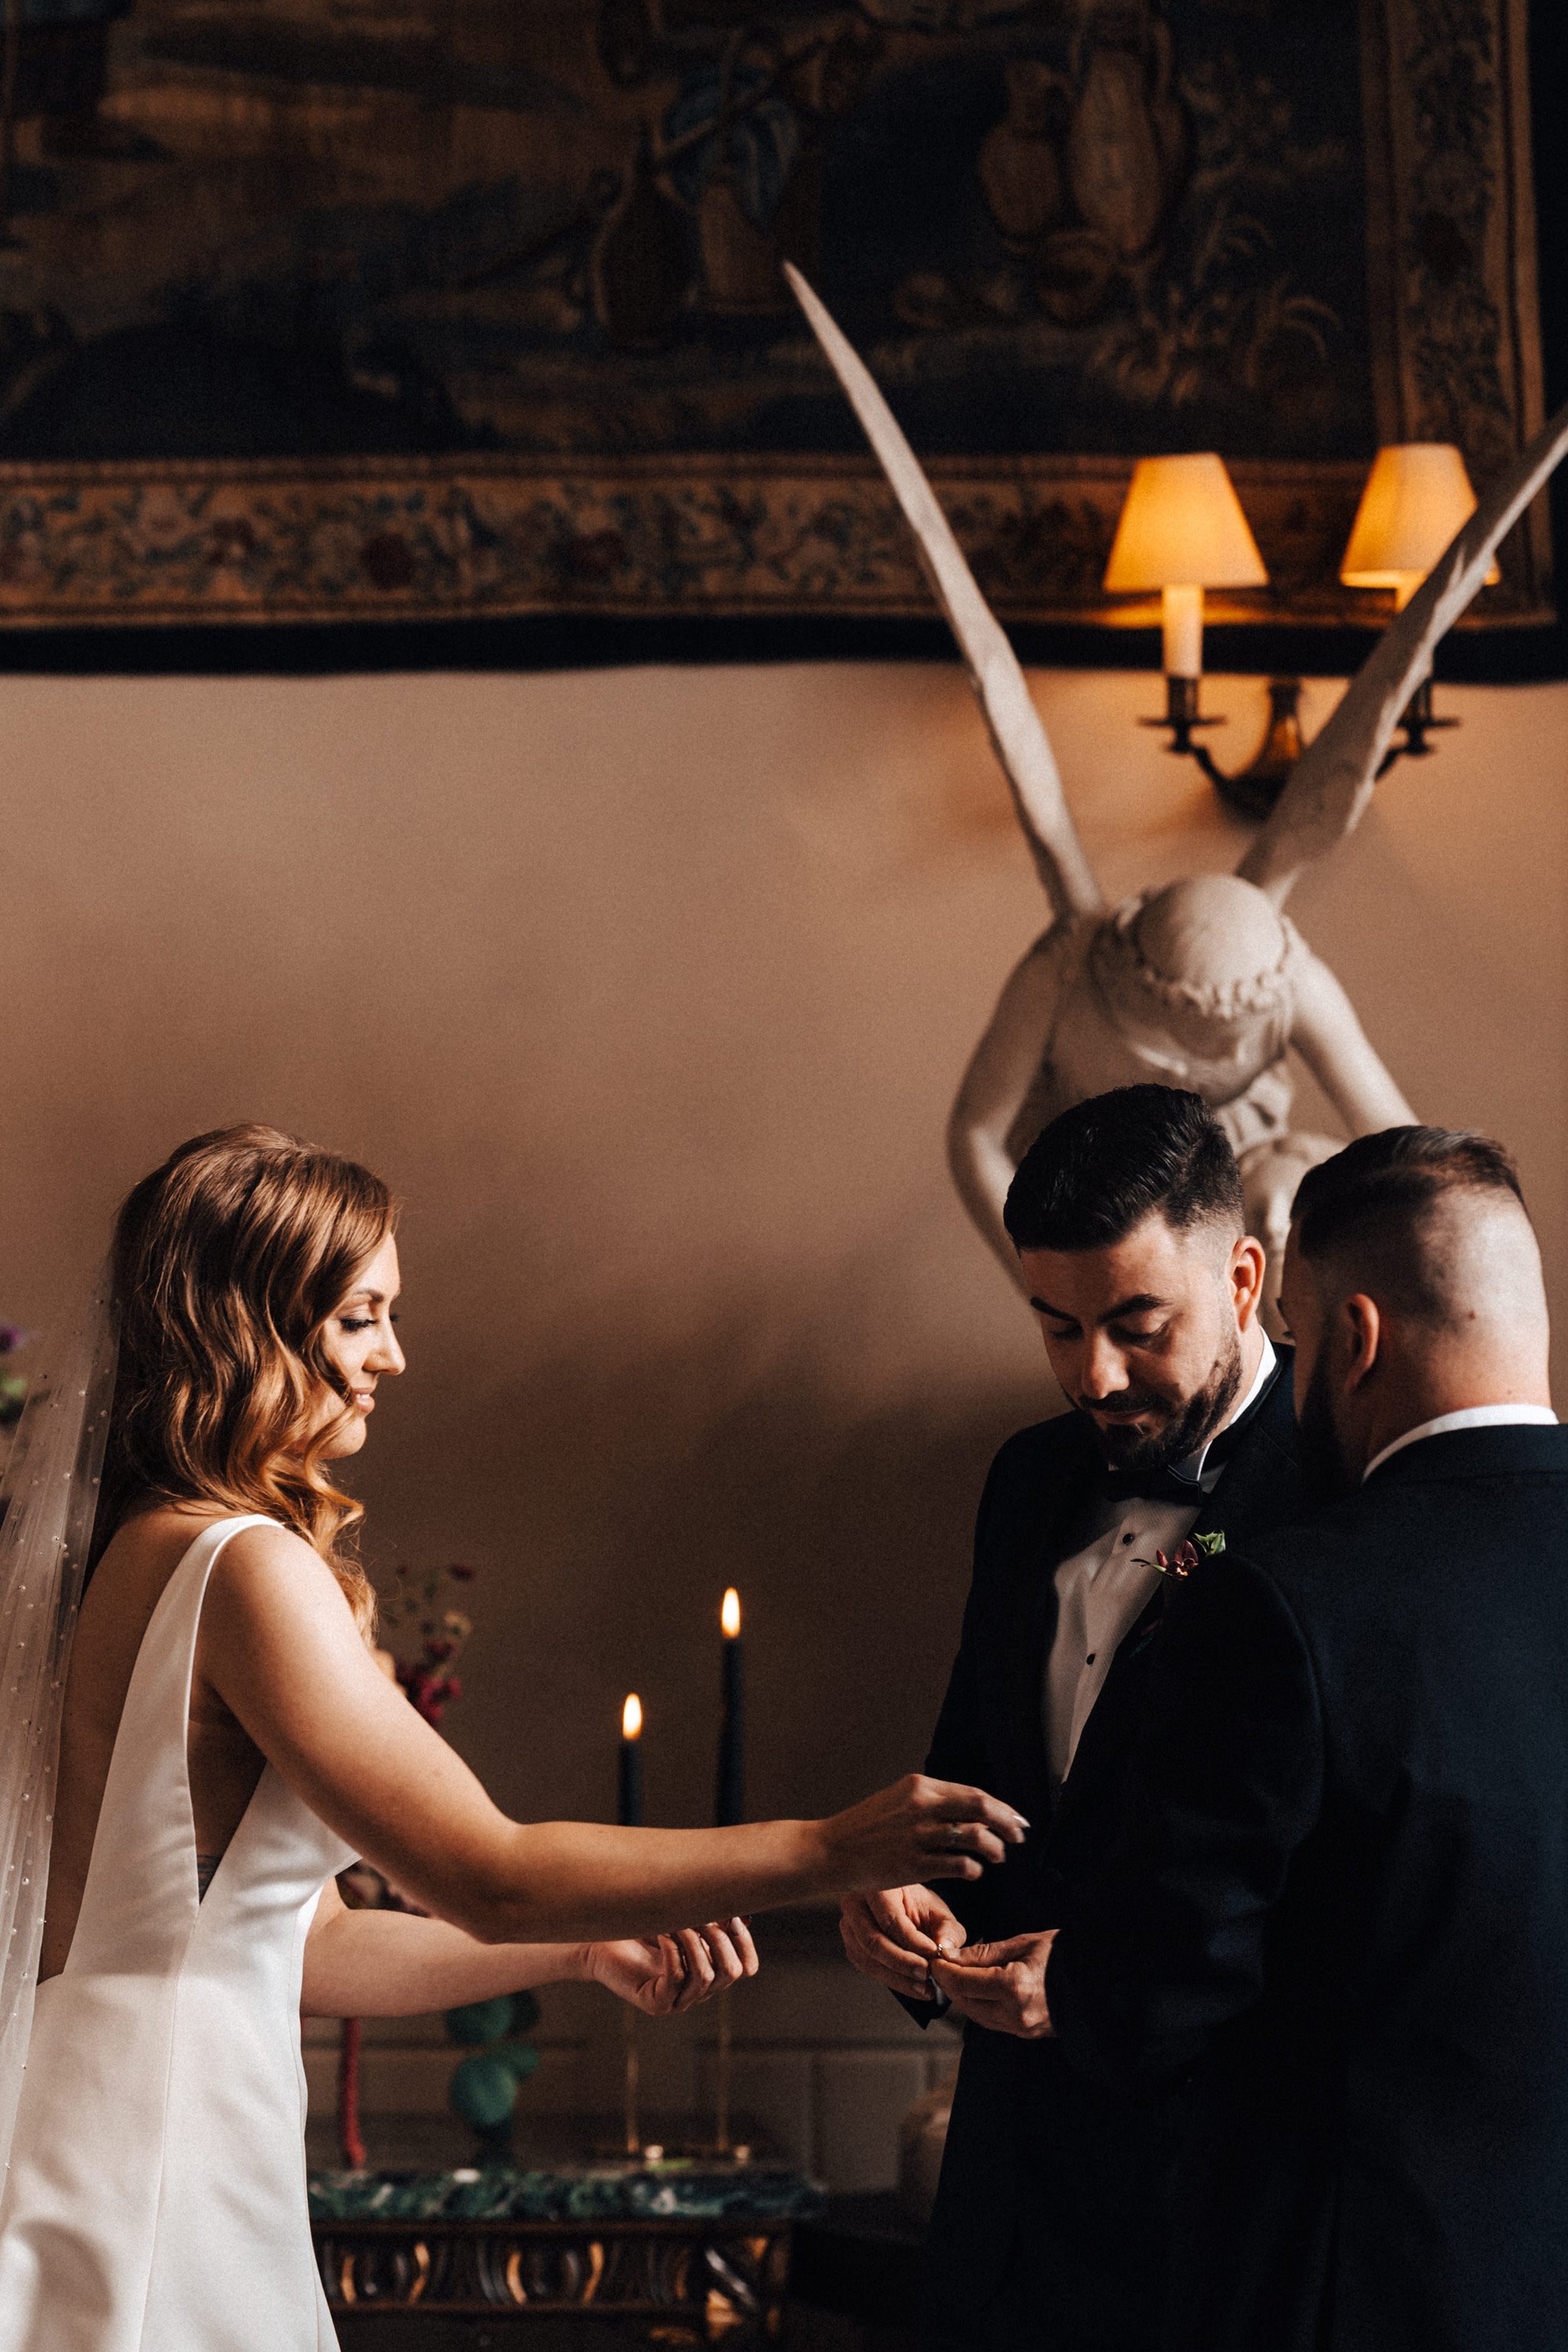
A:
[631,1718]
[729,1615]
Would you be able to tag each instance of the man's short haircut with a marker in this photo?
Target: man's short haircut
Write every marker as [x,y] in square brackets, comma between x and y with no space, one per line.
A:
[1366,1215]
[1103,1166]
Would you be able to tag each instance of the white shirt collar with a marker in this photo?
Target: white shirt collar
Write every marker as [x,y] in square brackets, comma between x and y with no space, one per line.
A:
[1471,1416]
[1192,1467]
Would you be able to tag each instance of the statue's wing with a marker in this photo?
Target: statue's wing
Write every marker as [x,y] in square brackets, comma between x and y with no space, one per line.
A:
[995,673]
[1331,782]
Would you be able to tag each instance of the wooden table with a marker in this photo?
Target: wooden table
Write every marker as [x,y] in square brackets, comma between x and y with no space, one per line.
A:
[654,2253]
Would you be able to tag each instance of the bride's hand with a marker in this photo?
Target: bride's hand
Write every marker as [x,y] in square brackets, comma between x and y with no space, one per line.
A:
[916,1829]
[662,1974]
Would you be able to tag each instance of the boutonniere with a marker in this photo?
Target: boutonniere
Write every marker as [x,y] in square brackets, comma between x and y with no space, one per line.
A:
[1181,1562]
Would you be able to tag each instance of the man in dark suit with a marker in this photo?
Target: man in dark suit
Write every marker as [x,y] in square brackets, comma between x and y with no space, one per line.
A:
[1127,1216]
[1340,1902]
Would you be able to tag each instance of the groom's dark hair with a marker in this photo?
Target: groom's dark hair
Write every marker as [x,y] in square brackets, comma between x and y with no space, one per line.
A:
[1103,1166]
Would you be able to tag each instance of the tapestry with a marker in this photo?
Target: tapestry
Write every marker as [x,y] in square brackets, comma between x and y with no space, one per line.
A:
[318,309]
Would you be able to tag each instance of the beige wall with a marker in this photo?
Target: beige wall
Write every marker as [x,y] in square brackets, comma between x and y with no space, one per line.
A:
[648,992]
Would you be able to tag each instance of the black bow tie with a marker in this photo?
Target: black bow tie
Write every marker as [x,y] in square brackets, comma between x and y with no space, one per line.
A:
[1167,1485]
[1150,1486]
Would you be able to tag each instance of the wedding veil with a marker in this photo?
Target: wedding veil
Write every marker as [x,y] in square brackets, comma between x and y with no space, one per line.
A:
[47,1500]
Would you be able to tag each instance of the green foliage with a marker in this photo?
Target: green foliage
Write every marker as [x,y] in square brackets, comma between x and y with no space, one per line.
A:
[484,2021]
[520,2059]
[484,2085]
[481,2022]
[482,2091]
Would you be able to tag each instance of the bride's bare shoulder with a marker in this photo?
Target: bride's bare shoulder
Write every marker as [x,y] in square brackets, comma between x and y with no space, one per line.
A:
[265,1573]
[280,1644]
[142,1555]
[259,1560]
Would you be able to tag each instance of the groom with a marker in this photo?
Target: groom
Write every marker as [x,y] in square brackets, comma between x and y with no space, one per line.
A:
[1127,1217]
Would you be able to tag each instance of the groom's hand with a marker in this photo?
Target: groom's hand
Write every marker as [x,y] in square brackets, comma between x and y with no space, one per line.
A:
[892,1936]
[1001,1986]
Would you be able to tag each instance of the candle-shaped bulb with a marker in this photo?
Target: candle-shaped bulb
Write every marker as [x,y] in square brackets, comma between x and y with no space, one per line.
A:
[730,1614]
[631,1718]
[1182,614]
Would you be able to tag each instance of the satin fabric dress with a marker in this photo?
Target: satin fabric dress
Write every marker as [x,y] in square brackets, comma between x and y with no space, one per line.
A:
[155,2200]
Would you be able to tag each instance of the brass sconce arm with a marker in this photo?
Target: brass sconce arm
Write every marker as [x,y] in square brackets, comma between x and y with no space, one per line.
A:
[1253,791]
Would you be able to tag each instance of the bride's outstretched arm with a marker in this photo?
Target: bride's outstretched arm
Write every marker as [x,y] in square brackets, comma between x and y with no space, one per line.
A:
[391,1964]
[279,1647]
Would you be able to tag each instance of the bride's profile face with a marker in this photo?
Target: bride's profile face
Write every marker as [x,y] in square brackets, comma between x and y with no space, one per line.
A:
[361,1341]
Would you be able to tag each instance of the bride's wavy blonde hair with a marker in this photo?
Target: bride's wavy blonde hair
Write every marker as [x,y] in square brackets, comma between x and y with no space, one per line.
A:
[227,1263]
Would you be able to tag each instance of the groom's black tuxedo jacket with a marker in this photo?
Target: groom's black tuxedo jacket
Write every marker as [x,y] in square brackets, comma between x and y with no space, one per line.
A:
[1342,1897]
[1050,2216]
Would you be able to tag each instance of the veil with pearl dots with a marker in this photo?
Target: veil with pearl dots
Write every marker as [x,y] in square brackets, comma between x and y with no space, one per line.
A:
[48,1502]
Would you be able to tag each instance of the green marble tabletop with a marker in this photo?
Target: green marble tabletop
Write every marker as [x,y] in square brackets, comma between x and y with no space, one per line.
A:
[678,2189]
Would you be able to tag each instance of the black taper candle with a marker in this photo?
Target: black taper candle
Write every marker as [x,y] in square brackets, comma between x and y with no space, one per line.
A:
[628,1809]
[730,1796]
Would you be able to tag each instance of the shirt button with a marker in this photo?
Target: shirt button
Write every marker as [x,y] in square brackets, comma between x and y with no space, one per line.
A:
[1089,1660]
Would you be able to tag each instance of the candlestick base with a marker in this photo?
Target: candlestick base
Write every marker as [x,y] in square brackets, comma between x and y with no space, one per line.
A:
[721,2074]
[682,2155]
[632,2139]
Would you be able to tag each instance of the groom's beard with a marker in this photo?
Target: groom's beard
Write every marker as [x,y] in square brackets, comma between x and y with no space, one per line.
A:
[1327,1476]
[1187,1426]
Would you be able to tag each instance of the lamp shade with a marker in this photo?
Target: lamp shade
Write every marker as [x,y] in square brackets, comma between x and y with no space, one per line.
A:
[1417,496]
[1183,527]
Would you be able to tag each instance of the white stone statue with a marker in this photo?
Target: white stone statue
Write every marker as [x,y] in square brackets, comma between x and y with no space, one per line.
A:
[1206,984]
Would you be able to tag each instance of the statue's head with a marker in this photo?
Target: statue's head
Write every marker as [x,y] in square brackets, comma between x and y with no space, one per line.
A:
[1204,961]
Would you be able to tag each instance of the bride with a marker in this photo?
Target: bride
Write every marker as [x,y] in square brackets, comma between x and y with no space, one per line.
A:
[226,1744]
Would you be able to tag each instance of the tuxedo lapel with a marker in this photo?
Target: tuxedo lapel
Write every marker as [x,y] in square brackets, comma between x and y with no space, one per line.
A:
[1259,1490]
[1261,1487]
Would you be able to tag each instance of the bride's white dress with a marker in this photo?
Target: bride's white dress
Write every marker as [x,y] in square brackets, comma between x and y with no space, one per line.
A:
[156,2196]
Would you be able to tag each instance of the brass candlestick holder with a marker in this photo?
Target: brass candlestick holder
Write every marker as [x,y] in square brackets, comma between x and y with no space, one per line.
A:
[722,2140]
[633,2121]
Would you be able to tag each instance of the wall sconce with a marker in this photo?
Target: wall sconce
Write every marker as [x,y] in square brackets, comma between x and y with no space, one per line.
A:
[1182,518]
[1183,530]
[1417,496]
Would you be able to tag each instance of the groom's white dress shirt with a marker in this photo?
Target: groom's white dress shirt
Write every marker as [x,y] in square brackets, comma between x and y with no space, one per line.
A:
[1469,1416]
[1103,1588]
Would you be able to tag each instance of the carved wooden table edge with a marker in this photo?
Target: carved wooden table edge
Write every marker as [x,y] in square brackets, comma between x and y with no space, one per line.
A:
[671,2277]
